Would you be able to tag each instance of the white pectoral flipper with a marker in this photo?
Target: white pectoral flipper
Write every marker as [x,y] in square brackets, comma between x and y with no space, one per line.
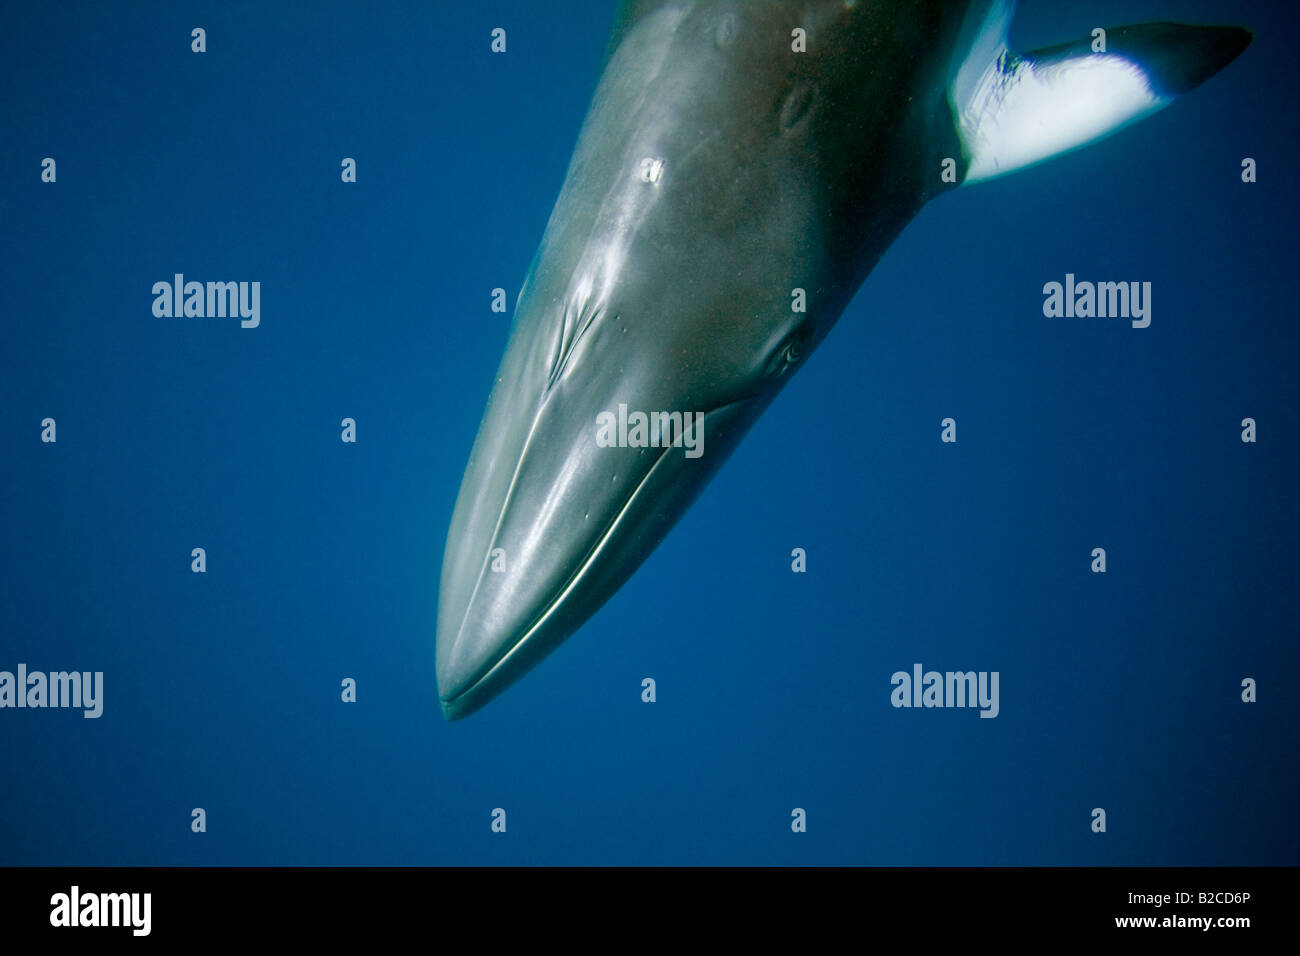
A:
[1014,110]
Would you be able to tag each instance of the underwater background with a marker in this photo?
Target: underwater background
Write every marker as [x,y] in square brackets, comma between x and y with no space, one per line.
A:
[1120,691]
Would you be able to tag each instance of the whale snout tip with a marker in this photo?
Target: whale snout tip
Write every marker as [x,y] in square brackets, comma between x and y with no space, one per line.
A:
[459,681]
[478,655]
[451,710]
[566,535]
[455,701]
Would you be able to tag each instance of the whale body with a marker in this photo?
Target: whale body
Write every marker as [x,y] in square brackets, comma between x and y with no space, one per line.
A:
[742,168]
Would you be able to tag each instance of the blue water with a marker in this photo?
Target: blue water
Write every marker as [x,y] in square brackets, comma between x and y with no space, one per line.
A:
[222,690]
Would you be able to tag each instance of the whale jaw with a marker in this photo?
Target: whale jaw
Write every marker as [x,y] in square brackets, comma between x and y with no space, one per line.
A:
[564,538]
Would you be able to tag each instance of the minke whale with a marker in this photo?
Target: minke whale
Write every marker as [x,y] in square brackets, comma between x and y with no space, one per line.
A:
[742,167]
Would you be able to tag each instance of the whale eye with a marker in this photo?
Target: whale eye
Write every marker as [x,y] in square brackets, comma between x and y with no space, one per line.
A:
[792,350]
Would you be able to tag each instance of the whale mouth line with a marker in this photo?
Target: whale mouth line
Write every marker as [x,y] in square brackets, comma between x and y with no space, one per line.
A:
[450,704]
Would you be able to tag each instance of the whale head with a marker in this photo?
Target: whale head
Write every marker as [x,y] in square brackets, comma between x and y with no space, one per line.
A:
[683,277]
[741,169]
